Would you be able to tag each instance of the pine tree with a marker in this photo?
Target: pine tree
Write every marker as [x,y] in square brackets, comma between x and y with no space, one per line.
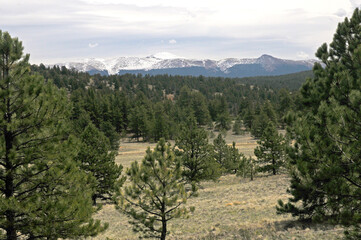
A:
[156,193]
[269,111]
[248,117]
[270,152]
[196,153]
[95,158]
[247,168]
[233,159]
[160,127]
[259,124]
[200,108]
[44,195]
[219,113]
[195,102]
[109,130]
[223,121]
[285,103]
[237,126]
[138,122]
[220,149]
[325,160]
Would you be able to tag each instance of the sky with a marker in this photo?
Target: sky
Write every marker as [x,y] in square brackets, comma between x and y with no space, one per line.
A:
[54,31]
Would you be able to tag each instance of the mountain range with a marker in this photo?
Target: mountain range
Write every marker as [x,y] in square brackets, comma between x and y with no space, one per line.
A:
[166,63]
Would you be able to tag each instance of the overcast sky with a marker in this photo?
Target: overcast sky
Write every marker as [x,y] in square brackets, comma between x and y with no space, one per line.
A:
[62,30]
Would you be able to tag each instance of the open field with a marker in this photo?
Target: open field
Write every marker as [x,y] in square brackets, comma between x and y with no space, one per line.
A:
[232,208]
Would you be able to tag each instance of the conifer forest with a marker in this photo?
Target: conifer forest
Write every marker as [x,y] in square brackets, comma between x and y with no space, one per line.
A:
[181,157]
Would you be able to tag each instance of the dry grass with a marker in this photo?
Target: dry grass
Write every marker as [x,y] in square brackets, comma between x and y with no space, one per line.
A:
[232,208]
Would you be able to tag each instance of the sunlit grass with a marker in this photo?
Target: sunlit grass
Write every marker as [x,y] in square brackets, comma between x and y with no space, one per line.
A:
[232,208]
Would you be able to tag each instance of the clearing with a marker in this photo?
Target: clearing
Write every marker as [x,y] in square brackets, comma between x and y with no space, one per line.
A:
[232,208]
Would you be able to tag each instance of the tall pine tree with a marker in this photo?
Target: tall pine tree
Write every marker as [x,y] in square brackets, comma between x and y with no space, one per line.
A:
[96,159]
[271,149]
[221,151]
[325,160]
[43,194]
[234,159]
[196,153]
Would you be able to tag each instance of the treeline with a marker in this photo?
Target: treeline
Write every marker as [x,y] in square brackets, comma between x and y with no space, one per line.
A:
[153,107]
[72,80]
[291,81]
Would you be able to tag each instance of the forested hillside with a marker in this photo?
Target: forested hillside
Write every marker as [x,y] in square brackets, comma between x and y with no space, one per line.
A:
[152,107]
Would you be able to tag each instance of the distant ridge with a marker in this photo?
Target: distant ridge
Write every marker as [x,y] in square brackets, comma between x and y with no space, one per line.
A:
[167,63]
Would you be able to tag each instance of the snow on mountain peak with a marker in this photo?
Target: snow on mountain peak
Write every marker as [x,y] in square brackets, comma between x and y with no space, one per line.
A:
[164,55]
[166,60]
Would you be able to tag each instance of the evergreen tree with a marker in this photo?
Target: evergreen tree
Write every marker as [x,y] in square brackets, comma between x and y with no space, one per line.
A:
[80,122]
[269,111]
[237,126]
[218,109]
[96,159]
[44,195]
[247,168]
[270,152]
[233,159]
[109,130]
[259,124]
[196,102]
[220,149]
[184,97]
[196,153]
[138,122]
[223,121]
[160,123]
[200,108]
[248,117]
[141,118]
[325,160]
[156,193]
[119,111]
[285,103]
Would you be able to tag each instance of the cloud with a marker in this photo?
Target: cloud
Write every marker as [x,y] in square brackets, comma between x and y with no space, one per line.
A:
[341,12]
[172,41]
[355,3]
[63,29]
[302,55]
[93,45]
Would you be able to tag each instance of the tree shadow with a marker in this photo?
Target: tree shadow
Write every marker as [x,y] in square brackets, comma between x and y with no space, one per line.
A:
[302,224]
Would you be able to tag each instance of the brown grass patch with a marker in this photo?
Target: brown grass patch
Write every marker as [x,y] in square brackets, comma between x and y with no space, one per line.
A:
[232,208]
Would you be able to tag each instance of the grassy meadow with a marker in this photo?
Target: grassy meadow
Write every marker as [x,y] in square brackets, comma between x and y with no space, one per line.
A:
[232,208]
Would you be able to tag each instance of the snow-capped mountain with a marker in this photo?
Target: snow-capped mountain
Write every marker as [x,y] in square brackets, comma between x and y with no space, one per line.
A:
[167,63]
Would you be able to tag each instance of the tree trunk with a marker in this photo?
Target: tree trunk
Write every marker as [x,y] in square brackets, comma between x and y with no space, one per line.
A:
[164,229]
[94,198]
[9,177]
[9,192]
[164,220]
[273,166]
[10,228]
[9,188]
